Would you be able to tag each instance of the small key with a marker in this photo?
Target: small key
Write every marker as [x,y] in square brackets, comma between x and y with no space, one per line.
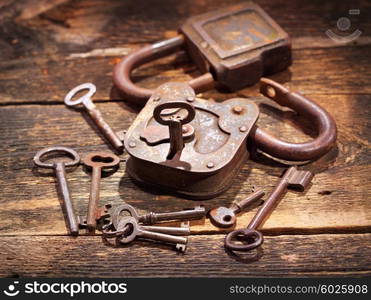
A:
[60,171]
[151,218]
[140,231]
[97,161]
[94,113]
[175,123]
[293,178]
[224,217]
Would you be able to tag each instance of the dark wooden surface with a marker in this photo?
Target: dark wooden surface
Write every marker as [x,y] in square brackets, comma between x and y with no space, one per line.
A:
[48,47]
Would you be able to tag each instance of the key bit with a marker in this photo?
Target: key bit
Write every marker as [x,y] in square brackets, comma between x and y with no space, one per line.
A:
[225,217]
[293,178]
[101,214]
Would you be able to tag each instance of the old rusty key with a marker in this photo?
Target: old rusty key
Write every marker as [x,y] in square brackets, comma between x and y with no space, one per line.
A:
[97,161]
[141,231]
[94,113]
[225,217]
[151,218]
[293,178]
[60,171]
[175,122]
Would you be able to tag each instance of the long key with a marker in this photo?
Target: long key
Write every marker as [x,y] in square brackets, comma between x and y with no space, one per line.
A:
[97,161]
[140,231]
[293,178]
[225,217]
[60,172]
[151,218]
[94,113]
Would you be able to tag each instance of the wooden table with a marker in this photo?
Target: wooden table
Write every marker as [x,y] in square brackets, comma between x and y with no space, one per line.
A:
[48,47]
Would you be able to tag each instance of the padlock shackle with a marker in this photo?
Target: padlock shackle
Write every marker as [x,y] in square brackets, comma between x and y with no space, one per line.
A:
[122,71]
[323,121]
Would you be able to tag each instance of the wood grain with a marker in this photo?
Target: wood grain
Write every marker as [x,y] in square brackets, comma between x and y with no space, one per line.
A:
[294,255]
[48,47]
[314,71]
[45,56]
[336,202]
[81,26]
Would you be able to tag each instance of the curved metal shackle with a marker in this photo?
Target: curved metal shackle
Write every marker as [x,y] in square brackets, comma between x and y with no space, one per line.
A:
[323,121]
[122,71]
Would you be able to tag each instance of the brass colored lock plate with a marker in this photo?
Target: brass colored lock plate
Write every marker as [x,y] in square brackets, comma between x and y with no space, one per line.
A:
[238,44]
[214,143]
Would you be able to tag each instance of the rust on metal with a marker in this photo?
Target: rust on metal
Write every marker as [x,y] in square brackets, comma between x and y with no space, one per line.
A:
[175,124]
[93,112]
[97,161]
[210,158]
[60,172]
[202,164]
[293,178]
[225,217]
[320,118]
[233,47]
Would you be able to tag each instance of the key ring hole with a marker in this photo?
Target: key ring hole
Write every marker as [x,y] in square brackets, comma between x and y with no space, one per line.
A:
[127,230]
[270,91]
[132,229]
[105,160]
[124,213]
[227,218]
[248,239]
[78,90]
[159,109]
[56,152]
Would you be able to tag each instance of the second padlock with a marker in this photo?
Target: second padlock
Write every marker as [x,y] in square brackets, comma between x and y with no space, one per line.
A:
[233,47]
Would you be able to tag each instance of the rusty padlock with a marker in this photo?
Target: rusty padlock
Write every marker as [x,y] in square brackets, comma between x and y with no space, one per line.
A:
[233,47]
[195,147]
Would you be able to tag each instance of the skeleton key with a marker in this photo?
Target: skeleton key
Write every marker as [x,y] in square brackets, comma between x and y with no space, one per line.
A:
[293,178]
[97,161]
[140,231]
[175,123]
[152,218]
[94,113]
[60,172]
[226,217]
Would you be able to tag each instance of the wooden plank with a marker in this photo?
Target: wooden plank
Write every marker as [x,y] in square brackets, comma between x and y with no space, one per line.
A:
[337,201]
[296,255]
[28,28]
[44,56]
[315,71]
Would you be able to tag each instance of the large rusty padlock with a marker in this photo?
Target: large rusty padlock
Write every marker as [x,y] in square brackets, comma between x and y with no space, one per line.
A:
[195,147]
[233,47]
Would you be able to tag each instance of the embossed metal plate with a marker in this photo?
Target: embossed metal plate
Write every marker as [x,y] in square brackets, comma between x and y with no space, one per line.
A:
[237,44]
[214,148]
